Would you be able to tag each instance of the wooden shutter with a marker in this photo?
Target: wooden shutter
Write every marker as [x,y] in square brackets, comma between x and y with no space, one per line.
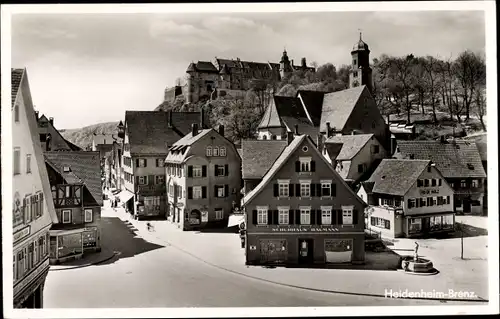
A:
[372,221]
[355,217]
[313,190]
[297,190]
[203,192]
[313,166]
[215,169]
[388,224]
[254,217]
[318,217]
[204,171]
[216,193]
[291,221]
[137,180]
[276,217]
[226,169]
[151,179]
[447,199]
[269,217]
[318,190]
[145,162]
[190,171]
[440,182]
[297,166]
[297,216]
[313,216]
[226,190]
[409,203]
[290,190]
[136,162]
[276,190]
[334,189]
[190,193]
[339,216]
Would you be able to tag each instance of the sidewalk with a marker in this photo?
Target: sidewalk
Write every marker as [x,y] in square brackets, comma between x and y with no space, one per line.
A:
[222,250]
[87,260]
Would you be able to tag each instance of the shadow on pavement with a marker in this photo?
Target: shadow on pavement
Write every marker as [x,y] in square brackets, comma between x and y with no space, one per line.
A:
[221,230]
[121,237]
[468,231]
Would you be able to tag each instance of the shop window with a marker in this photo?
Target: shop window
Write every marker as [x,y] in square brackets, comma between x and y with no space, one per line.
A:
[283,189]
[305,216]
[219,214]
[66,216]
[347,217]
[209,151]
[435,223]
[305,189]
[222,151]
[262,216]
[447,221]
[326,216]
[283,216]
[88,215]
[414,225]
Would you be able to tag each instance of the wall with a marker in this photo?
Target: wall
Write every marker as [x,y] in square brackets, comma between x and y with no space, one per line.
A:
[249,184]
[128,185]
[365,156]
[268,132]
[396,221]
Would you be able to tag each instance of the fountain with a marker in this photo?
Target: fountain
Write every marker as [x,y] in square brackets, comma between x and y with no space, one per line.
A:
[417,265]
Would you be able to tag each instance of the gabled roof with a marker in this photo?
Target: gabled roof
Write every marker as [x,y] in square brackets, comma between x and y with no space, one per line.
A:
[183,121]
[395,177]
[178,153]
[482,148]
[257,156]
[85,168]
[351,144]
[368,186]
[43,120]
[338,106]
[456,159]
[16,77]
[271,117]
[303,124]
[313,102]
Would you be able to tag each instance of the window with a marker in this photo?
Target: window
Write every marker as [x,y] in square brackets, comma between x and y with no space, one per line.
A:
[283,216]
[447,221]
[347,213]
[397,202]
[216,151]
[305,189]
[219,214]
[420,183]
[160,162]
[305,216]
[66,216]
[354,62]
[475,183]
[143,180]
[433,182]
[283,189]
[426,183]
[16,113]
[220,191]
[142,162]
[197,171]
[326,216]
[28,163]
[88,215]
[160,179]
[305,165]
[375,148]
[17,161]
[261,216]
[463,183]
[435,222]
[411,203]
[440,182]
[220,170]
[27,210]
[209,151]
[67,191]
[355,73]
[222,151]
[414,225]
[197,192]
[360,168]
[326,189]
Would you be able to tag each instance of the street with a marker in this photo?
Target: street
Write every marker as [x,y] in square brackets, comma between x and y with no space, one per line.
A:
[147,274]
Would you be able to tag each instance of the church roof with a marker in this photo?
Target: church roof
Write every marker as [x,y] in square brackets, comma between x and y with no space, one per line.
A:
[271,117]
[360,45]
[351,144]
[313,103]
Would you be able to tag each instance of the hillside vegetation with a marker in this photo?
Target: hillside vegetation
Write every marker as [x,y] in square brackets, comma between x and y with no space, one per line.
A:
[83,136]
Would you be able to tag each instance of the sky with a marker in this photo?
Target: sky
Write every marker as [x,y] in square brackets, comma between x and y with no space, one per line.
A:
[85,69]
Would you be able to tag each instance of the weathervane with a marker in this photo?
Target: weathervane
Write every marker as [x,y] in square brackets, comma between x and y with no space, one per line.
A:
[360,32]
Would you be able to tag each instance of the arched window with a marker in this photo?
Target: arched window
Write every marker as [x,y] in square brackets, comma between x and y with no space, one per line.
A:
[209,151]
[264,137]
[222,151]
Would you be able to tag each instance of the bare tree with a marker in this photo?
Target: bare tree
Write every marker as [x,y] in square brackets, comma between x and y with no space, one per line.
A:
[430,66]
[480,104]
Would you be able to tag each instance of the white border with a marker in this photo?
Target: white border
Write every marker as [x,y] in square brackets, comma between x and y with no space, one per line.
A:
[490,22]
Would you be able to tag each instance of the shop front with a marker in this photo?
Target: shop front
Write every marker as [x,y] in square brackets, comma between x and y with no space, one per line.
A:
[67,245]
[90,239]
[424,225]
[28,293]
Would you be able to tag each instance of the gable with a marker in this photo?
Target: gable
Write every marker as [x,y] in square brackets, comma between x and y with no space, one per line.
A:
[365,115]
[338,106]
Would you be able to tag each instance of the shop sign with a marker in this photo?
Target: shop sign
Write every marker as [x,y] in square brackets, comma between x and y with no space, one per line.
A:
[204,217]
[304,229]
[429,191]
[194,217]
[22,233]
[28,279]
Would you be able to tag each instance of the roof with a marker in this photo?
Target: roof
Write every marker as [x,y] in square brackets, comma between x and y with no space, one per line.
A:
[456,159]
[72,146]
[103,138]
[16,77]
[202,66]
[183,121]
[85,168]
[338,106]
[368,186]
[303,124]
[482,148]
[271,117]
[179,151]
[257,156]
[396,176]
[351,144]
[313,102]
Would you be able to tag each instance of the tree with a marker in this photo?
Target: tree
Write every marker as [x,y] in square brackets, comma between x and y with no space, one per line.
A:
[430,66]
[445,85]
[480,104]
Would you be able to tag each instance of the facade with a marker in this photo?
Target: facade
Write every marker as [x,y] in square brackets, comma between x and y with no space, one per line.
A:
[50,138]
[353,156]
[461,165]
[361,72]
[408,198]
[144,152]
[115,166]
[33,209]
[77,193]
[302,212]
[203,176]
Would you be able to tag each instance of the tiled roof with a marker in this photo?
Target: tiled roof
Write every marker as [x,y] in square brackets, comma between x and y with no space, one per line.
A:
[180,150]
[304,126]
[479,137]
[482,148]
[395,176]
[72,146]
[351,144]
[289,106]
[313,102]
[257,156]
[456,159]
[205,66]
[368,186]
[85,166]
[183,121]
[271,117]
[16,77]
[338,106]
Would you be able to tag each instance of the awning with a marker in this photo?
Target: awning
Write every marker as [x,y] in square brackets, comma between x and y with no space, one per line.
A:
[125,196]
[235,220]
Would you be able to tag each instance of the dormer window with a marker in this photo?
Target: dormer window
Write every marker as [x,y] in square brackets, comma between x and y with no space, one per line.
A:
[66,169]
[470,166]
[222,151]
[216,151]
[209,151]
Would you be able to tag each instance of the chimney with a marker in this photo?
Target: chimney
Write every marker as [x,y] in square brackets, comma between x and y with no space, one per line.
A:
[169,118]
[289,137]
[292,62]
[328,129]
[296,129]
[51,120]
[320,142]
[195,129]
[202,118]
[443,140]
[37,115]
[221,130]
[303,62]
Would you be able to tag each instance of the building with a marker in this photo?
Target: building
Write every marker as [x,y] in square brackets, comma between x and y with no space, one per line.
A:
[353,156]
[33,209]
[460,164]
[75,183]
[102,143]
[203,176]
[144,153]
[361,72]
[302,212]
[482,147]
[50,138]
[353,110]
[115,166]
[233,76]
[408,198]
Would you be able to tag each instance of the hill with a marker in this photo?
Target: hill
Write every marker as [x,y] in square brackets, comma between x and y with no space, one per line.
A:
[83,136]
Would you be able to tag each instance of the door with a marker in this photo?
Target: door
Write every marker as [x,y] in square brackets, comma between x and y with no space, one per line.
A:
[426,225]
[467,205]
[306,251]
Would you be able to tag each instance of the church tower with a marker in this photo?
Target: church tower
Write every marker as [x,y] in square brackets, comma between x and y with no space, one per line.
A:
[361,73]
[285,66]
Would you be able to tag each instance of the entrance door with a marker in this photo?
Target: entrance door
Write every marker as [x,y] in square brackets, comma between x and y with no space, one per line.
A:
[306,251]
[467,205]
[426,226]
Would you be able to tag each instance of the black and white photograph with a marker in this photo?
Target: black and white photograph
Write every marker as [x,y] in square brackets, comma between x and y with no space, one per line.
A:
[249,159]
